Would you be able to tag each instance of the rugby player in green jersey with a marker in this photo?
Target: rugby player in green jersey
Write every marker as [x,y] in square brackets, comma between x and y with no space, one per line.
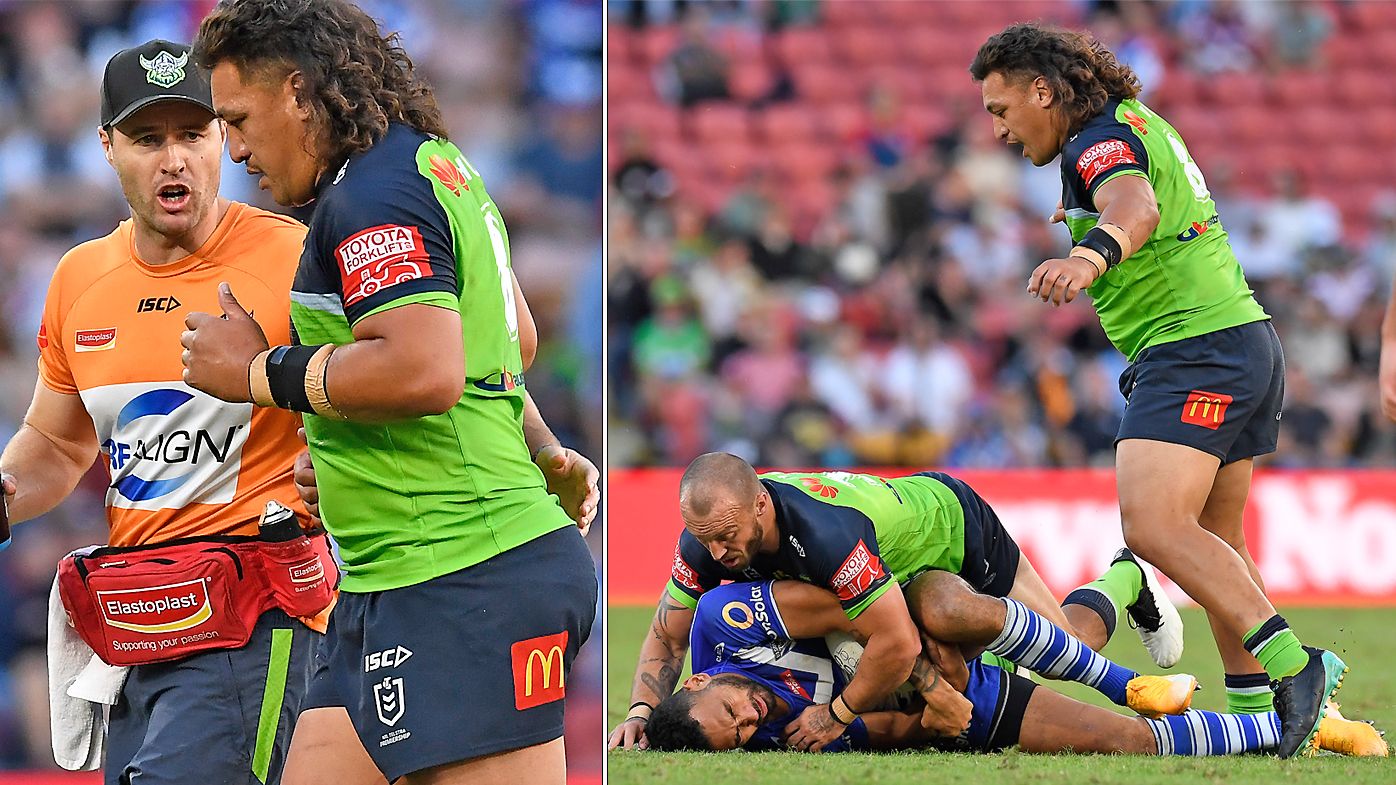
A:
[467,588]
[1206,379]
[905,556]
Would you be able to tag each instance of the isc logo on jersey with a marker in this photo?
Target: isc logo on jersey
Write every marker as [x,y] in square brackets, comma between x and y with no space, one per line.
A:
[380,257]
[168,445]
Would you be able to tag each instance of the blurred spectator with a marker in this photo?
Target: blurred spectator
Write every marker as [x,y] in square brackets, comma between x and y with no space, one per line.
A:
[1128,32]
[847,379]
[640,178]
[1298,220]
[1220,39]
[695,71]
[671,344]
[1298,32]
[928,380]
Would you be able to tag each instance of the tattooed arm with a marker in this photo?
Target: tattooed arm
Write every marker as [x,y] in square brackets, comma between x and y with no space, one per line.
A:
[661,662]
[941,677]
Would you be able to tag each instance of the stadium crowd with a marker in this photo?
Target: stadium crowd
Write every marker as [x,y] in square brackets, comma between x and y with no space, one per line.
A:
[818,253]
[520,85]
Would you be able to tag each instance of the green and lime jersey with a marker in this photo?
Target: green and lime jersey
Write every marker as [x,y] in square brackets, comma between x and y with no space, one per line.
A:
[1184,281]
[851,533]
[408,221]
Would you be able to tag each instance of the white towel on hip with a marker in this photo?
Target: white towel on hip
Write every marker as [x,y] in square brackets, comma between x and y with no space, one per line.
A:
[81,691]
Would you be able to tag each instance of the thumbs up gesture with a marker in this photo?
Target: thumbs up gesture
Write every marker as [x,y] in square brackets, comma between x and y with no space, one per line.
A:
[219,349]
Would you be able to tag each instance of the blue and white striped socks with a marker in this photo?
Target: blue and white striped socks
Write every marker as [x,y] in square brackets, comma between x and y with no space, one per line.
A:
[1197,732]
[1037,644]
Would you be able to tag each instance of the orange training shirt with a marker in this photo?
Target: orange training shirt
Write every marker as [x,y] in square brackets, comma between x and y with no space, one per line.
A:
[182,463]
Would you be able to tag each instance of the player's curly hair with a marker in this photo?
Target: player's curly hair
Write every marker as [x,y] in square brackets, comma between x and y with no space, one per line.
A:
[1081,71]
[672,728]
[357,80]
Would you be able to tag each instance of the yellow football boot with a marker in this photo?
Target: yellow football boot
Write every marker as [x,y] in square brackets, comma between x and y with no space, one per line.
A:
[1155,696]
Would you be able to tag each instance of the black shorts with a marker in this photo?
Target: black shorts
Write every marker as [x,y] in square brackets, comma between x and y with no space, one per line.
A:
[1000,699]
[222,716]
[1220,392]
[1014,694]
[991,555]
[464,665]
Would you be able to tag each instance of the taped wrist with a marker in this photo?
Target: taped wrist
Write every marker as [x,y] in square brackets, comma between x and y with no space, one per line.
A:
[257,382]
[1108,240]
[841,712]
[293,377]
[640,710]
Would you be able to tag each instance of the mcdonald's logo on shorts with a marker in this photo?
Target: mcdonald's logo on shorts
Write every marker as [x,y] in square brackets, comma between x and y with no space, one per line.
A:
[1207,409]
[540,675]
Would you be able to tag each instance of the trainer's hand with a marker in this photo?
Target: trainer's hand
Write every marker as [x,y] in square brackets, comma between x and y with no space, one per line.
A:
[304,478]
[1060,280]
[574,479]
[218,351]
[629,735]
[1386,378]
[947,711]
[814,728]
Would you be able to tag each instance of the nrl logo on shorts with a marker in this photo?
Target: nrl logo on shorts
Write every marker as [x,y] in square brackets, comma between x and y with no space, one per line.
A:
[165,70]
[389,700]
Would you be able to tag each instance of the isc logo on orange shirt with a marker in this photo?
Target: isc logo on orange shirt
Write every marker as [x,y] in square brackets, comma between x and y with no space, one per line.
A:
[95,340]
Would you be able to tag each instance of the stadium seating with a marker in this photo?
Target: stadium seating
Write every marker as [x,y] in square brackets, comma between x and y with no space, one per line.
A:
[836,63]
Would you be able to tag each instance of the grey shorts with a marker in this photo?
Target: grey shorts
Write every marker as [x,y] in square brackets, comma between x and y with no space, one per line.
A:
[218,718]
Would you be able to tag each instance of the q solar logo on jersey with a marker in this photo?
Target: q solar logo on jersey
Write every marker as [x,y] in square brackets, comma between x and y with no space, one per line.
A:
[167,444]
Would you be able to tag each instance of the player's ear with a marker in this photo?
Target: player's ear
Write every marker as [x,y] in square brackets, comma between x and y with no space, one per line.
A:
[105,136]
[1042,92]
[697,681]
[295,85]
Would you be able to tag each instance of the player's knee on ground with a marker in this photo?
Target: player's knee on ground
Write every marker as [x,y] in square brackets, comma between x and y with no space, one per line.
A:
[947,608]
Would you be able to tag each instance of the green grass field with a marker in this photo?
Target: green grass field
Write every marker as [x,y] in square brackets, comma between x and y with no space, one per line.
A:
[1365,639]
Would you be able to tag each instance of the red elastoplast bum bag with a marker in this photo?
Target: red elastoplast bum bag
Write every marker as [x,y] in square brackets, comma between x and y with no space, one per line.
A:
[153,603]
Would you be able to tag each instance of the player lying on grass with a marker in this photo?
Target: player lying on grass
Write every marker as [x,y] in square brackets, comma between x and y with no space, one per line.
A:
[876,543]
[759,659]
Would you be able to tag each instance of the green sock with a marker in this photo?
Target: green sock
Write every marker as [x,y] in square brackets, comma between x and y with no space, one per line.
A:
[1121,583]
[990,658]
[1274,644]
[1248,693]
[1110,594]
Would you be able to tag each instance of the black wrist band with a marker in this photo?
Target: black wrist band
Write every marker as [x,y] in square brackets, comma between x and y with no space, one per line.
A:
[640,703]
[1100,241]
[286,370]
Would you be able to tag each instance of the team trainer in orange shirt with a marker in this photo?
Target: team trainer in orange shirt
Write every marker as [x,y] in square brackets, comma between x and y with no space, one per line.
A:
[183,464]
